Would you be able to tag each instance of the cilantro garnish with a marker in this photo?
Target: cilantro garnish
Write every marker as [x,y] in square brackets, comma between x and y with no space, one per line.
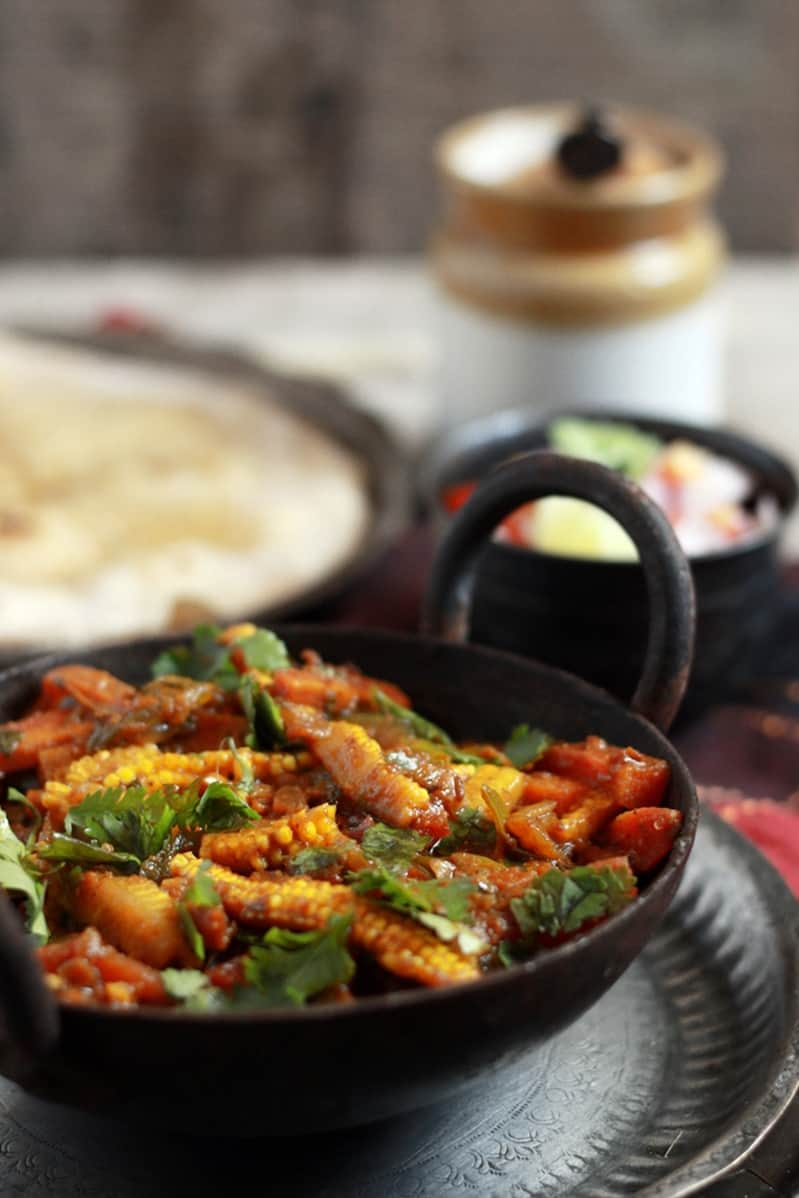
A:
[128,818]
[417,723]
[283,968]
[246,781]
[17,876]
[432,737]
[139,824]
[441,906]
[201,893]
[263,716]
[263,650]
[16,796]
[291,967]
[192,989]
[9,739]
[470,830]
[69,849]
[311,861]
[456,755]
[394,848]
[218,809]
[525,745]
[208,661]
[561,902]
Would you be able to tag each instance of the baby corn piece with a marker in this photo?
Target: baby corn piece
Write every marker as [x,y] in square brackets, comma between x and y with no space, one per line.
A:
[408,950]
[147,766]
[273,842]
[300,904]
[134,915]
[358,766]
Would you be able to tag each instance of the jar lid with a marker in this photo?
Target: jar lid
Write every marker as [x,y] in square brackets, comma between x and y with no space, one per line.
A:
[551,174]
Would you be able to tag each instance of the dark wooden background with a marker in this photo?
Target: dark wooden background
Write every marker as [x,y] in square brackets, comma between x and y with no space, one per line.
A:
[237,127]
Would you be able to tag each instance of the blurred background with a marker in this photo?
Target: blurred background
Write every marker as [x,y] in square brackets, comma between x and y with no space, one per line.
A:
[251,127]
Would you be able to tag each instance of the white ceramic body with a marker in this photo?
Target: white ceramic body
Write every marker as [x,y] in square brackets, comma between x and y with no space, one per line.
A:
[665,365]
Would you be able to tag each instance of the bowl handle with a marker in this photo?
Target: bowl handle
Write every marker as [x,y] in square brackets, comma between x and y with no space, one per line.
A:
[669,584]
[28,1010]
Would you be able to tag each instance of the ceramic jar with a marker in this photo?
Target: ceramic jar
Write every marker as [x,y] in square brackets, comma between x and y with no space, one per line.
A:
[578,283]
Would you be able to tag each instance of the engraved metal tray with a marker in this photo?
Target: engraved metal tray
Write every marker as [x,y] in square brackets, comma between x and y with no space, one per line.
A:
[680,1081]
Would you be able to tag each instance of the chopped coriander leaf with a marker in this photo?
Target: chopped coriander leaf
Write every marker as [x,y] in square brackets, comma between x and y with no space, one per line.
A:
[417,723]
[9,739]
[441,906]
[512,952]
[561,902]
[17,876]
[456,755]
[137,823]
[204,659]
[78,852]
[246,780]
[291,967]
[263,650]
[128,818]
[263,716]
[191,931]
[468,941]
[470,830]
[218,809]
[449,897]
[192,989]
[311,861]
[395,848]
[209,661]
[16,796]
[202,892]
[184,983]
[525,745]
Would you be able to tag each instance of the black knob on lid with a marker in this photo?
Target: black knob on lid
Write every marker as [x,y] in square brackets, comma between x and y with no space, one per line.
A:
[590,150]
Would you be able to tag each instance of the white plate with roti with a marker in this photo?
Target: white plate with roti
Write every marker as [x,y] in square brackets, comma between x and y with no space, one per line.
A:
[147,485]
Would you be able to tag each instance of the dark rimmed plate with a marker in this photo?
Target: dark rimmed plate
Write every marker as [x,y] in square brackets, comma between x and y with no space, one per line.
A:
[679,1081]
[323,405]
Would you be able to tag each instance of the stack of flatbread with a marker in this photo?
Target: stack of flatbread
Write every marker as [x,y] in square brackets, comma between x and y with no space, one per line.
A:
[138,499]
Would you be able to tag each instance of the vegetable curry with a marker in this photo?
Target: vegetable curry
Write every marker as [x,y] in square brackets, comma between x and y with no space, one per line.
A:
[246,830]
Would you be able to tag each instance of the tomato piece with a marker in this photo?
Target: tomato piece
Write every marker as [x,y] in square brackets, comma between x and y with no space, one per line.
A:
[89,687]
[335,694]
[228,974]
[591,761]
[39,731]
[515,528]
[209,729]
[541,787]
[453,498]
[640,781]
[644,834]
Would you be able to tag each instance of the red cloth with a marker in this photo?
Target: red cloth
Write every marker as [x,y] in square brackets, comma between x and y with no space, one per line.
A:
[773,827]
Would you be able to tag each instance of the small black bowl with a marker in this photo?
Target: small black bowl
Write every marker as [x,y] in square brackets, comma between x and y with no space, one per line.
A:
[589,616]
[298,1070]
